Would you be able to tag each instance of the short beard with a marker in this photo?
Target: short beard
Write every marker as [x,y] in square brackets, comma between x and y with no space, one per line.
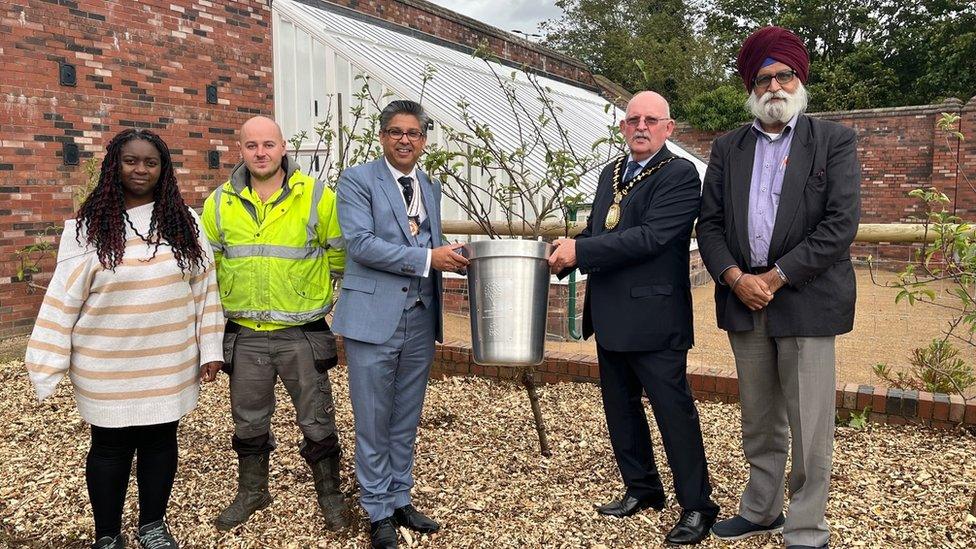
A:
[779,111]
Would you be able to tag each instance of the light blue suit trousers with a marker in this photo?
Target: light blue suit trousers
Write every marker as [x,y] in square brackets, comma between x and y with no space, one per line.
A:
[387,383]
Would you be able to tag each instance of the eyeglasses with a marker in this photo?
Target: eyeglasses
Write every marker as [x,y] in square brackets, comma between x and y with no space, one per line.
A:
[783,77]
[649,121]
[412,135]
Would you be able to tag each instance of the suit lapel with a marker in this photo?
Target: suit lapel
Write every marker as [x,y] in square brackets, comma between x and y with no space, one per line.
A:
[601,203]
[741,181]
[794,181]
[389,187]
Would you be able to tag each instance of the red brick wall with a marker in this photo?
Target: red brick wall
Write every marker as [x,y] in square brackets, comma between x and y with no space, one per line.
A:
[694,141]
[884,404]
[147,64]
[139,64]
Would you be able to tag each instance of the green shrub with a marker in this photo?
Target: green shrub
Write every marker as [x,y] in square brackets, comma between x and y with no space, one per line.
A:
[936,369]
[720,109]
[940,369]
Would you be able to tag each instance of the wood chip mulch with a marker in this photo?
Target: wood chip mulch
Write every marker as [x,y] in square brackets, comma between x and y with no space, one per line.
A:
[477,471]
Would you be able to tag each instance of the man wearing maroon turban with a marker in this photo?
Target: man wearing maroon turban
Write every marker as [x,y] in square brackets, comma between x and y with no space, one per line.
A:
[780,208]
[774,43]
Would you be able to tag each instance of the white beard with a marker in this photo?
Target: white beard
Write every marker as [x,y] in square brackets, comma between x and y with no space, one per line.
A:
[771,112]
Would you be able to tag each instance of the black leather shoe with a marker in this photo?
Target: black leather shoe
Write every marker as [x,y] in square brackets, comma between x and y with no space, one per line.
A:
[628,505]
[692,528]
[410,517]
[383,534]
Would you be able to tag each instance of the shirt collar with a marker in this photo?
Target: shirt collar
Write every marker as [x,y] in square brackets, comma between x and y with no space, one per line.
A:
[630,158]
[397,174]
[757,127]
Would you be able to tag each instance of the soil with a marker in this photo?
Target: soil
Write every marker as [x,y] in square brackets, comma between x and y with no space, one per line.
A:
[478,472]
[13,348]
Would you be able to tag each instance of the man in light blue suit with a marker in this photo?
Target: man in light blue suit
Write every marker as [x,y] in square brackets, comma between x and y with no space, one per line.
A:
[389,313]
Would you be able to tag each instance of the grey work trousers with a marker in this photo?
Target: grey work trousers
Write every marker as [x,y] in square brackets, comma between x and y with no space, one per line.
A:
[259,359]
[786,386]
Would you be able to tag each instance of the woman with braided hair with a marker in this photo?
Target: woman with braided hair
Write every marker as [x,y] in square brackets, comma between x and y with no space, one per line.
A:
[132,315]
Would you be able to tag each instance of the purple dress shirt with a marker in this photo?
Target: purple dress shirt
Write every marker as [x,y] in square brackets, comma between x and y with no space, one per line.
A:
[768,169]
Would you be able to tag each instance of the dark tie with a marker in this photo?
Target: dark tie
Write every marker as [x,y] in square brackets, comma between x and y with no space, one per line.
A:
[632,168]
[407,184]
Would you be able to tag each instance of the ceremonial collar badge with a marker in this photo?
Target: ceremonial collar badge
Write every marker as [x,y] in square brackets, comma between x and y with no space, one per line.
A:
[621,188]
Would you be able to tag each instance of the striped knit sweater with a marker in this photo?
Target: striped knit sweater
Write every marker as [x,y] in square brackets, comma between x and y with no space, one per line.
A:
[132,340]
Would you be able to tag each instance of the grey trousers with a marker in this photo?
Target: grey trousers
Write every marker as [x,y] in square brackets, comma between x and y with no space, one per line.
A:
[786,386]
[262,357]
[387,383]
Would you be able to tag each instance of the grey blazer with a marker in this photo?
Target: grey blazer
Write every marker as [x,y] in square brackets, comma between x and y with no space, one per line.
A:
[381,254]
[816,222]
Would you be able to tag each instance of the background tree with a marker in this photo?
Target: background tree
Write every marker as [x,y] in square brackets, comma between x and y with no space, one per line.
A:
[866,54]
[609,36]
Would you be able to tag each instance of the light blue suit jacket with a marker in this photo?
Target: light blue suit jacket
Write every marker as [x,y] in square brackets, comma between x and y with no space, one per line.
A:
[381,255]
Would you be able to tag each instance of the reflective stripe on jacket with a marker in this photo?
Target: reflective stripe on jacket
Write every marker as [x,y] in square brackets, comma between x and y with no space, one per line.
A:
[275,272]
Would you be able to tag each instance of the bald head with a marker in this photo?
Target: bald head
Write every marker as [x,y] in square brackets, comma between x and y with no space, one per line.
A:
[650,100]
[262,148]
[647,124]
[259,125]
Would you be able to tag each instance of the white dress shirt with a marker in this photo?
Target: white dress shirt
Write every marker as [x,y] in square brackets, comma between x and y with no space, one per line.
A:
[418,196]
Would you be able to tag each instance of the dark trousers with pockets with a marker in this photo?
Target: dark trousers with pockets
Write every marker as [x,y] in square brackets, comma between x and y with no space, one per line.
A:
[624,377]
[259,359]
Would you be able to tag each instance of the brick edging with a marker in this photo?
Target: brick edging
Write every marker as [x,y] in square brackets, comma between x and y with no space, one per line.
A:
[885,405]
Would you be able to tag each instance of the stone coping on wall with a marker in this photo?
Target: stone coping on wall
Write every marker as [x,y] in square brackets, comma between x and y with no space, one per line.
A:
[883,405]
[951,104]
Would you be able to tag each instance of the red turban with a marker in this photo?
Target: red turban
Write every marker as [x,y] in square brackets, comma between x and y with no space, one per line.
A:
[776,43]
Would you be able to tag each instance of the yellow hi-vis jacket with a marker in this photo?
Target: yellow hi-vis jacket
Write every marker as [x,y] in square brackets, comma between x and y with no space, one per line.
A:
[274,259]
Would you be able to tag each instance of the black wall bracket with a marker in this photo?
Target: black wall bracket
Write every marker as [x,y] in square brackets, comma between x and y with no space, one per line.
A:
[67,74]
[69,154]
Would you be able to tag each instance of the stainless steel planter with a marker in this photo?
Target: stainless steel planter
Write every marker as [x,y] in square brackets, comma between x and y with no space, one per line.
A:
[508,288]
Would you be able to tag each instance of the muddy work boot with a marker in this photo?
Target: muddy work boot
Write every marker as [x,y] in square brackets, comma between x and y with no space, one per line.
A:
[252,491]
[325,473]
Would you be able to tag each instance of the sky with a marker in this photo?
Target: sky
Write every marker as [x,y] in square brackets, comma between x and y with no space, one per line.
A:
[523,15]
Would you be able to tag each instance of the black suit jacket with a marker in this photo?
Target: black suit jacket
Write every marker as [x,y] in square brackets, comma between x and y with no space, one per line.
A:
[816,222]
[638,295]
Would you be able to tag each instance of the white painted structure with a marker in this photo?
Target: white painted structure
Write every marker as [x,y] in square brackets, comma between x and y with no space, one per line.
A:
[319,53]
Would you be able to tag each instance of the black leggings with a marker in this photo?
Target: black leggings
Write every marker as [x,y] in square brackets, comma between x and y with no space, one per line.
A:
[108,466]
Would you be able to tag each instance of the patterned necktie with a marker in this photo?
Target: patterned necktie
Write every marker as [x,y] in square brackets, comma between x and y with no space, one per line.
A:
[407,184]
[632,168]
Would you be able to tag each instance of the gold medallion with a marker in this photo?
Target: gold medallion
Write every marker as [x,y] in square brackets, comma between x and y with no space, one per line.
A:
[621,187]
[414,226]
[613,216]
